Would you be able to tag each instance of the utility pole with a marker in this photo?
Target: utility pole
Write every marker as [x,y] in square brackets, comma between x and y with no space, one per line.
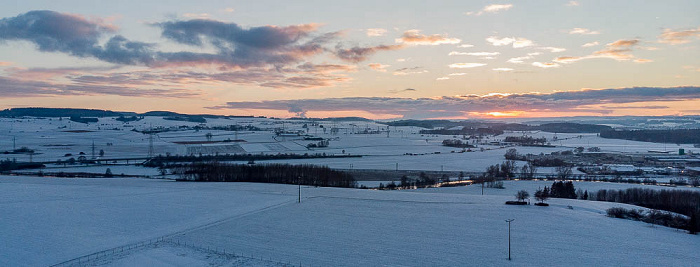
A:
[299,183]
[93,149]
[14,143]
[508,221]
[150,145]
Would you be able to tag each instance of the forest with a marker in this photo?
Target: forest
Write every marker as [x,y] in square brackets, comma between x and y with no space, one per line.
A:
[672,136]
[265,173]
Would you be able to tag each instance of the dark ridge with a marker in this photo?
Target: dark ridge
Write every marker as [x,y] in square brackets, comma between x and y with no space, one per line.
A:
[333,119]
[60,112]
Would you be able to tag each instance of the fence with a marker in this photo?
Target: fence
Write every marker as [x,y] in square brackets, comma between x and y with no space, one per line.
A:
[93,258]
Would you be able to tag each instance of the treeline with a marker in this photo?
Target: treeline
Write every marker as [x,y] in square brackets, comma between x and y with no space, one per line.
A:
[526,140]
[188,118]
[268,173]
[338,119]
[57,112]
[83,120]
[464,131]
[160,160]
[560,127]
[79,112]
[10,165]
[128,119]
[674,136]
[668,219]
[456,143]
[423,181]
[679,201]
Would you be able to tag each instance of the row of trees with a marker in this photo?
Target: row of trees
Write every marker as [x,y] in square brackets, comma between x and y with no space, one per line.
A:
[456,143]
[670,219]
[526,140]
[680,201]
[160,160]
[265,173]
[508,170]
[675,136]
[558,190]
[423,180]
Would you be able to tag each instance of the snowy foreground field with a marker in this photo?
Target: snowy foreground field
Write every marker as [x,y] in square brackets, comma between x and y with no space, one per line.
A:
[47,221]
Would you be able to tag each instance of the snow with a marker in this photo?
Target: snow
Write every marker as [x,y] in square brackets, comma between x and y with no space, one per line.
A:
[52,140]
[50,220]
[172,254]
[46,220]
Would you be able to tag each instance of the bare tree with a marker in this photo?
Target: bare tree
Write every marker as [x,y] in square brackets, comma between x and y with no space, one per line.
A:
[528,171]
[542,194]
[564,172]
[522,195]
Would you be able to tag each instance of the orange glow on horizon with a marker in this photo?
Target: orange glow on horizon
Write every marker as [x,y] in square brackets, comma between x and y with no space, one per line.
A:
[498,114]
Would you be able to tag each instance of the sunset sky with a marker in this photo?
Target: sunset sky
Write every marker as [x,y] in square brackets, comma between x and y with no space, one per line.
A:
[376,59]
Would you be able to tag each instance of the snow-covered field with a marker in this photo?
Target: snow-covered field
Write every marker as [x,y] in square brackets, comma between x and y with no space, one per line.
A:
[50,220]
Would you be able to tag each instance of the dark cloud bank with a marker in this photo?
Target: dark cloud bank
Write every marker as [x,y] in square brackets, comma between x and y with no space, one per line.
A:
[569,101]
[268,56]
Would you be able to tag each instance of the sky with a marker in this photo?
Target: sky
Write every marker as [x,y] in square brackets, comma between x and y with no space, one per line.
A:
[375,59]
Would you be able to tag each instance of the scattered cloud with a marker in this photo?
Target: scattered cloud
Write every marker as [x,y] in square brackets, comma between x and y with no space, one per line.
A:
[567,59]
[516,42]
[378,66]
[443,78]
[5,63]
[522,42]
[495,8]
[374,32]
[503,69]
[414,37]
[196,15]
[53,73]
[457,74]
[466,65]
[466,45]
[590,44]
[552,49]
[357,54]
[624,43]
[478,54]
[229,10]
[11,87]
[679,36]
[572,3]
[409,71]
[620,50]
[266,56]
[407,90]
[495,41]
[583,31]
[519,60]
[545,65]
[691,68]
[648,48]
[454,106]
